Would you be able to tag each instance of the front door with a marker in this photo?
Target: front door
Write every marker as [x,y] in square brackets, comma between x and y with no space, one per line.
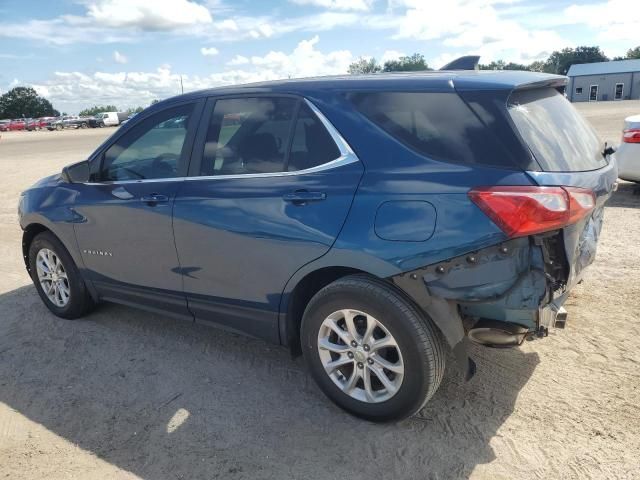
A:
[272,193]
[126,237]
[593,93]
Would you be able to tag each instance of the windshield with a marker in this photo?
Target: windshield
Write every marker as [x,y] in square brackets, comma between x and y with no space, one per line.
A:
[559,137]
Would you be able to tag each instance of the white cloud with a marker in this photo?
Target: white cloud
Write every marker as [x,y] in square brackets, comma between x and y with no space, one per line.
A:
[613,20]
[304,61]
[362,5]
[73,91]
[238,60]
[391,55]
[479,26]
[227,24]
[209,52]
[147,15]
[119,57]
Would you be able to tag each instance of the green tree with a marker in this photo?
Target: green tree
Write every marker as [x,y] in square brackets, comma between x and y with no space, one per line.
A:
[24,102]
[90,112]
[364,65]
[134,110]
[560,61]
[413,63]
[502,65]
[153,102]
[633,53]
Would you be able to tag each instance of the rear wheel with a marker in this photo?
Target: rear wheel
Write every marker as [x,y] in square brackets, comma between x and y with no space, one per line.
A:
[57,278]
[370,350]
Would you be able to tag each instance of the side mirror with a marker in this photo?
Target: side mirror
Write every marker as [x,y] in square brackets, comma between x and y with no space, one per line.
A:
[76,172]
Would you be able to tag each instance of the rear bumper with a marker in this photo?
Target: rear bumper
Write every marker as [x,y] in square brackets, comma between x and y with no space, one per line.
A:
[505,282]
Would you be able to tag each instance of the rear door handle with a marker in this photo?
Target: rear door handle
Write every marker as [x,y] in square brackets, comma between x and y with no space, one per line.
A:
[302,197]
[154,198]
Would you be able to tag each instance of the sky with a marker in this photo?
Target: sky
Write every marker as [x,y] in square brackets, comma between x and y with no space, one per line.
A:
[80,53]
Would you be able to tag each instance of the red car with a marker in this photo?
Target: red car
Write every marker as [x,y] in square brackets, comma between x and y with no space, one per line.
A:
[17,124]
[4,125]
[37,123]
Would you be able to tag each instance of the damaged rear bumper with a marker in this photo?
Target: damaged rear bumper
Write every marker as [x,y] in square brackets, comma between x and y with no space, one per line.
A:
[509,290]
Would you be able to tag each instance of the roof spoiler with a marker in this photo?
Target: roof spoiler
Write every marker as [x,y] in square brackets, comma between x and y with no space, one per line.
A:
[468,62]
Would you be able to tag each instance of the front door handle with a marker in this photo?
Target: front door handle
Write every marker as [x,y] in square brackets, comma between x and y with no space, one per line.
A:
[154,199]
[302,197]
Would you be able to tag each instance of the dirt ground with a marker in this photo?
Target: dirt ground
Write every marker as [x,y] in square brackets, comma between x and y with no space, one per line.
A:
[127,394]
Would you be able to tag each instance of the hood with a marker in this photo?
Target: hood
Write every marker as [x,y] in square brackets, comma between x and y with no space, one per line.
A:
[50,181]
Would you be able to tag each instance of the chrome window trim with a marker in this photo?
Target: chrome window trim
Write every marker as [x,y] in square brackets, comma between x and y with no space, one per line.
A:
[347,156]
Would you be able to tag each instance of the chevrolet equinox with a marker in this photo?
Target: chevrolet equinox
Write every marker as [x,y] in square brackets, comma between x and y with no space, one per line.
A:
[370,223]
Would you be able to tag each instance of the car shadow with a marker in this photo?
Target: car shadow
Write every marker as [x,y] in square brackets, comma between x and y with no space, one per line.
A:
[165,399]
[627,195]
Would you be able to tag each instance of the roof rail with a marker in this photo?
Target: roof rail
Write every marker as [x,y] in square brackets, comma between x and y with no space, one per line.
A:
[468,62]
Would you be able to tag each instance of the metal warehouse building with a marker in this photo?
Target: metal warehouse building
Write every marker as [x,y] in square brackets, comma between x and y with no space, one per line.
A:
[591,82]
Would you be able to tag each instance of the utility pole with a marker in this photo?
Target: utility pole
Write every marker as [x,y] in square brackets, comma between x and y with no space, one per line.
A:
[181,86]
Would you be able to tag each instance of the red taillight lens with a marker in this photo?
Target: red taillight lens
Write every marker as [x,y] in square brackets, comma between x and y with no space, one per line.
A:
[631,136]
[526,210]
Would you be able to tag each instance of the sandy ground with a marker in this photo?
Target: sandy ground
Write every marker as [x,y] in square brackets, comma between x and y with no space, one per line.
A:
[127,394]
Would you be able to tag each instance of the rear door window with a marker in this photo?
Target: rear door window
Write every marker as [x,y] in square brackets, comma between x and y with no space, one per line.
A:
[248,136]
[438,125]
[311,145]
[559,137]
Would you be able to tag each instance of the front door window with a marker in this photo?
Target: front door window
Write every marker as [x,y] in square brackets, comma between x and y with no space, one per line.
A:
[151,149]
[593,93]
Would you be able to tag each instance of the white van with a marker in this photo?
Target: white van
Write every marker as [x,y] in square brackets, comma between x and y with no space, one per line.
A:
[105,119]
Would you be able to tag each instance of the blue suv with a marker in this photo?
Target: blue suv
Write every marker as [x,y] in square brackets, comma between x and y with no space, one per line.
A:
[370,223]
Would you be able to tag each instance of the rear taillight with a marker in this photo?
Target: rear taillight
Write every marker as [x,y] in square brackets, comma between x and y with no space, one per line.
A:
[631,136]
[527,210]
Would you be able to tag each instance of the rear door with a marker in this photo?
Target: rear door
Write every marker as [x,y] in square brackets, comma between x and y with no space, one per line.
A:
[570,154]
[270,186]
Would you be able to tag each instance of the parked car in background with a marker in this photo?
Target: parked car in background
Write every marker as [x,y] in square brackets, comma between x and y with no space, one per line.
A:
[108,119]
[371,223]
[4,125]
[37,123]
[628,153]
[68,121]
[17,124]
[76,122]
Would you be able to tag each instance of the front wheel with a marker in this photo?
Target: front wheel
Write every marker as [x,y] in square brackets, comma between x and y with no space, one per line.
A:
[57,278]
[370,350]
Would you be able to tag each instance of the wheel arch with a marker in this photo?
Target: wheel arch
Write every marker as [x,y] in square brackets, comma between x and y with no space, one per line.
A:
[34,228]
[303,286]
[294,301]
[28,234]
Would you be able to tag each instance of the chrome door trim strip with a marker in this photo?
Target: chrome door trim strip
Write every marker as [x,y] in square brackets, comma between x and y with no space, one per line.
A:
[347,156]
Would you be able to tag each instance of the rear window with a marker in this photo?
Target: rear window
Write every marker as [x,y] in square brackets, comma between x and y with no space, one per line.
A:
[559,137]
[438,125]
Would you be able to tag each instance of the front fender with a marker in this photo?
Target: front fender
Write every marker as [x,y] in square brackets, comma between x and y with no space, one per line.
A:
[51,209]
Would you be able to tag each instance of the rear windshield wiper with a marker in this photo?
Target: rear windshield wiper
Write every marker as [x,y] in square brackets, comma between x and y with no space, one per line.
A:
[608,150]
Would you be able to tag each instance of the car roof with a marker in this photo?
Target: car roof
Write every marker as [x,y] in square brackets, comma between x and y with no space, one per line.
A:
[442,81]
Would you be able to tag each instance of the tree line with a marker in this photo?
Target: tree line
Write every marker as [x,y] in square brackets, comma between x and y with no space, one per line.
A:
[558,62]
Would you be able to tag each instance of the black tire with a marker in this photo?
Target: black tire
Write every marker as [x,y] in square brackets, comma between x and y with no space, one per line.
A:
[419,342]
[80,302]
[83,125]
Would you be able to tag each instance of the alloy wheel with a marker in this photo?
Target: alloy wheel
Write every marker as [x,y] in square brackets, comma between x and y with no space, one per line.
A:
[360,356]
[53,277]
